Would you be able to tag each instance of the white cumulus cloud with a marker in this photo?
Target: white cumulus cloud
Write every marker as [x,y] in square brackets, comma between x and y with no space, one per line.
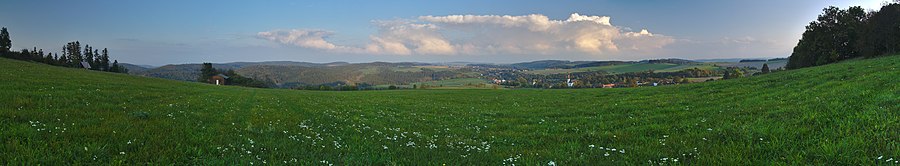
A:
[487,35]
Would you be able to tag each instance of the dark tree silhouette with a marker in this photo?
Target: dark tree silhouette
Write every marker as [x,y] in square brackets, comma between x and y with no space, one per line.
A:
[5,41]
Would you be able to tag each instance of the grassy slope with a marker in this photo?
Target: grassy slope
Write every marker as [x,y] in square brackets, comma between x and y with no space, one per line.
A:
[845,113]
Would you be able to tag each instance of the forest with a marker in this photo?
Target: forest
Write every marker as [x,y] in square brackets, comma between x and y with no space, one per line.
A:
[72,55]
[841,34]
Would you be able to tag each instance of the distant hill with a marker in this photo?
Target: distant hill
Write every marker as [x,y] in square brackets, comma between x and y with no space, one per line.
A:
[672,61]
[720,60]
[189,72]
[290,74]
[287,74]
[132,68]
[546,64]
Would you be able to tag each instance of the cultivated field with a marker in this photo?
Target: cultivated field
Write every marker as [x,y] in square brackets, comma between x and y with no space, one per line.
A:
[841,114]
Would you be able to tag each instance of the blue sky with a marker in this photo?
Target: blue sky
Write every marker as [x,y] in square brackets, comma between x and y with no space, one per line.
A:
[172,32]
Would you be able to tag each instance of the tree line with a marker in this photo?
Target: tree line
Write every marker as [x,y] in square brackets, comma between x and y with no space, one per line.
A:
[840,34]
[72,55]
[207,72]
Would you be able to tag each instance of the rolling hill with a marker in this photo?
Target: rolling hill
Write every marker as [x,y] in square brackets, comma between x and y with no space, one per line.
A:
[286,74]
[846,113]
[668,65]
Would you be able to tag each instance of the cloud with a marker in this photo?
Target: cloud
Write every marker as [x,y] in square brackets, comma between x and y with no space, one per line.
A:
[303,38]
[487,35]
[404,38]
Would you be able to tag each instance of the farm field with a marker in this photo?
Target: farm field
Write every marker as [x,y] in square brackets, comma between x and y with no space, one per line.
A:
[846,113]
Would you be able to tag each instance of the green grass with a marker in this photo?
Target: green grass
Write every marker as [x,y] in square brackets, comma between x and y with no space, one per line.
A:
[841,114]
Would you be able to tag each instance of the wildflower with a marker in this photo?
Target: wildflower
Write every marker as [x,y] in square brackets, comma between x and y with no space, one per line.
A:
[122,153]
[591,146]
[551,163]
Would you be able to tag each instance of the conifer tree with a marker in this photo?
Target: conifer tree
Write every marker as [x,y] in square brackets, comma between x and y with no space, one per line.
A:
[104,60]
[95,62]
[115,67]
[88,56]
[5,42]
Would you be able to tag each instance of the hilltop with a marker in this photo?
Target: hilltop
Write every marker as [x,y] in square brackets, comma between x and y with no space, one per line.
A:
[843,114]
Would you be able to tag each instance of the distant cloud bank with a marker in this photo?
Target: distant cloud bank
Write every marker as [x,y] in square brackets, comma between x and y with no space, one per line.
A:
[486,35]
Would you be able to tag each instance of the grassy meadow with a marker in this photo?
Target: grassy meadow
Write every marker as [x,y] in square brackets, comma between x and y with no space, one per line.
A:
[840,114]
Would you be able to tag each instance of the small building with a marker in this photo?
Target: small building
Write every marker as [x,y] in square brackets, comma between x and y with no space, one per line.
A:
[86,65]
[609,85]
[218,79]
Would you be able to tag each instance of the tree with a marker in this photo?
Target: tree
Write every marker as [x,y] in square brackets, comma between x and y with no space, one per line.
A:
[48,59]
[104,60]
[63,60]
[5,42]
[765,68]
[95,63]
[881,32]
[88,55]
[833,37]
[73,51]
[37,55]
[55,59]
[732,73]
[206,71]
[115,67]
